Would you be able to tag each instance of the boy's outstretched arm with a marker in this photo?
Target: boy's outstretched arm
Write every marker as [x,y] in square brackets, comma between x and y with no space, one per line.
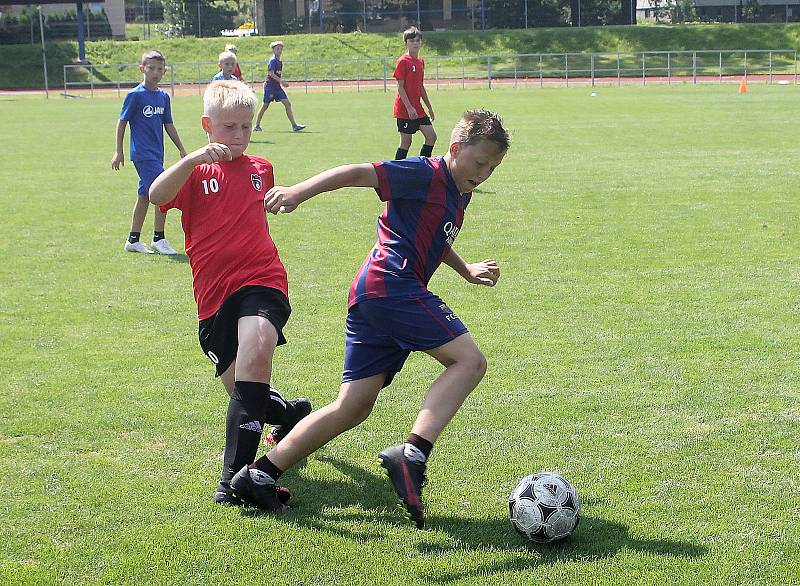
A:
[286,199]
[118,159]
[486,272]
[172,132]
[166,186]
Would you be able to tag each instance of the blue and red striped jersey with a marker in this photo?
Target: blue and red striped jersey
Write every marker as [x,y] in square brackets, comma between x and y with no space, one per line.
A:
[423,215]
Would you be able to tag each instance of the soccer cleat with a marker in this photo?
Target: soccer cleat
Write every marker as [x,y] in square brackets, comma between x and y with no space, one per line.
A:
[256,129]
[137,247]
[300,408]
[224,495]
[264,496]
[407,478]
[162,247]
[298,127]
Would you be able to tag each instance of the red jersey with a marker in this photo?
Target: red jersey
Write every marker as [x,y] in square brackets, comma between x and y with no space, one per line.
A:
[227,236]
[412,71]
[237,72]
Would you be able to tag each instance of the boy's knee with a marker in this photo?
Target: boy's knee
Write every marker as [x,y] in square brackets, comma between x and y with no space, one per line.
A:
[479,364]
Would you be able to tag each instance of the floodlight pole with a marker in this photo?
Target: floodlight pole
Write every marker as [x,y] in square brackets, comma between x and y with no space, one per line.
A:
[44,55]
[81,46]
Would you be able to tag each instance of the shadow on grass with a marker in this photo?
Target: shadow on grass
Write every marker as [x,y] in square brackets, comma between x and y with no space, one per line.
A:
[181,258]
[318,504]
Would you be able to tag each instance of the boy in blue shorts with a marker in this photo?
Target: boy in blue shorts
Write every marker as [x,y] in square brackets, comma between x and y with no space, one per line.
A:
[391,311]
[147,108]
[273,92]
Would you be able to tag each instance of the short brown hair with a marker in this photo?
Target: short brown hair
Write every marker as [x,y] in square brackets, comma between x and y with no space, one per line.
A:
[477,125]
[153,55]
[411,32]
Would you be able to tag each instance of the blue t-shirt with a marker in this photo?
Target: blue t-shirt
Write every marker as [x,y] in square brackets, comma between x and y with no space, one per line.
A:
[275,66]
[147,111]
[220,76]
[423,215]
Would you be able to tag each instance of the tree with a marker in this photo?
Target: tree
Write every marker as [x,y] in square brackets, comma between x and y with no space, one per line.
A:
[176,18]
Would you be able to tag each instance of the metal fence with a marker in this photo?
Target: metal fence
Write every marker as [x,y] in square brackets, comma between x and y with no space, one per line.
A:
[536,69]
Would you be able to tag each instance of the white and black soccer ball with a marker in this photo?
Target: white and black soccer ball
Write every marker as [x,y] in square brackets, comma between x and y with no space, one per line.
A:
[544,507]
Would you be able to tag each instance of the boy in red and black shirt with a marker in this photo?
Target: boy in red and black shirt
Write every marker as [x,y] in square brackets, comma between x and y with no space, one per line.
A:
[410,76]
[240,284]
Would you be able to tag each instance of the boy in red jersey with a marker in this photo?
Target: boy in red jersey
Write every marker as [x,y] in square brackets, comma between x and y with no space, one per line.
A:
[410,76]
[240,284]
[391,312]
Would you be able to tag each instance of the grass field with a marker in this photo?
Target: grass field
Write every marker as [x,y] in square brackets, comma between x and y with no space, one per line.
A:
[642,342]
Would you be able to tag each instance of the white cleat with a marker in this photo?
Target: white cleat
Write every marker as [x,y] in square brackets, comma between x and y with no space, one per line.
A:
[137,247]
[162,247]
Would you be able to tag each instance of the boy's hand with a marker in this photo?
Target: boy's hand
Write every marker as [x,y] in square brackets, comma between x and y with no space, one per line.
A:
[117,161]
[431,115]
[486,272]
[412,113]
[211,153]
[284,83]
[281,199]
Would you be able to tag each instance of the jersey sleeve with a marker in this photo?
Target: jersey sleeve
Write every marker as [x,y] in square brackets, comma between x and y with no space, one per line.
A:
[400,70]
[273,65]
[406,179]
[128,107]
[183,198]
[167,117]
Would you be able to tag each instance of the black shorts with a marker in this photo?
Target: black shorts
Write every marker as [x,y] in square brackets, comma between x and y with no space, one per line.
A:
[405,126]
[219,334]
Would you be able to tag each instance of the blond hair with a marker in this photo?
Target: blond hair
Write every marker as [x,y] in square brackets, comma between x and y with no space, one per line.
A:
[228,94]
[477,125]
[231,48]
[226,55]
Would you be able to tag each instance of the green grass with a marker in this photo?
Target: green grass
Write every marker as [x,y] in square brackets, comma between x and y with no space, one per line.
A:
[21,66]
[642,342]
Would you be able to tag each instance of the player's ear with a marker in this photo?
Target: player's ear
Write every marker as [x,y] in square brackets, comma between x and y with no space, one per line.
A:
[205,122]
[455,147]
[141,67]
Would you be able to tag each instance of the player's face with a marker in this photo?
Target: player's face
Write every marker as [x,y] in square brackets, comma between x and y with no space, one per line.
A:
[153,70]
[472,164]
[230,127]
[277,50]
[414,45]
[227,66]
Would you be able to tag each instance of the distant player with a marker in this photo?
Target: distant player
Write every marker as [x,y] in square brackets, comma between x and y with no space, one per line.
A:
[148,111]
[410,76]
[237,71]
[227,66]
[391,311]
[273,88]
[239,283]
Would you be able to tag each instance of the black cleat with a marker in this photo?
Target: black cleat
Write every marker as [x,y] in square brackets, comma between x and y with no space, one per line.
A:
[224,495]
[407,478]
[264,496]
[299,408]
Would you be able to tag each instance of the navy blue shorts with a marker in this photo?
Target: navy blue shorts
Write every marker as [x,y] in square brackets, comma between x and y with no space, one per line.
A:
[274,94]
[381,333]
[148,170]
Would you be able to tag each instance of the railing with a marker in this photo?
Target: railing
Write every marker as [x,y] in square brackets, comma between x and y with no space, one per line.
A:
[489,70]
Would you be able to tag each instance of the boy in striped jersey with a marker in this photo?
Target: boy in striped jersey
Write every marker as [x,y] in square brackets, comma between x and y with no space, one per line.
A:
[391,311]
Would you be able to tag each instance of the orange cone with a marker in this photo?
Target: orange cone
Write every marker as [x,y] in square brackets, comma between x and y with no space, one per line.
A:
[743,86]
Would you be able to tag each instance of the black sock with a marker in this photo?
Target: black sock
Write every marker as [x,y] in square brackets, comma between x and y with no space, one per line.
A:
[276,408]
[244,424]
[158,236]
[427,150]
[134,237]
[420,443]
[400,154]
[265,465]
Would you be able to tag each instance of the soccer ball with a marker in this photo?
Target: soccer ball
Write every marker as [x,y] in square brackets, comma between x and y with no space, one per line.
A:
[544,507]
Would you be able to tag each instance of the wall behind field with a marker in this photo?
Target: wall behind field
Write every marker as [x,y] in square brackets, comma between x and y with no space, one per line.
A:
[21,66]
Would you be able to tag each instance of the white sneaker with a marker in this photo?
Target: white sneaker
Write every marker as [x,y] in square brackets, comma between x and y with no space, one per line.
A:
[162,247]
[137,247]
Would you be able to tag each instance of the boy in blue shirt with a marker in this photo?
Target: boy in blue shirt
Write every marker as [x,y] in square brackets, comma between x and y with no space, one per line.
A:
[391,311]
[273,92]
[227,65]
[147,109]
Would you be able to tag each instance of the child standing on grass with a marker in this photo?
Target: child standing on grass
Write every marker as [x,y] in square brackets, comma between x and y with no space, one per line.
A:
[273,92]
[227,66]
[147,108]
[237,72]
[410,76]
[240,284]
[391,311]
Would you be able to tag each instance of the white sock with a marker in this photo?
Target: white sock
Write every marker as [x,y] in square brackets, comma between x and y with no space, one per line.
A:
[261,478]
[413,453]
